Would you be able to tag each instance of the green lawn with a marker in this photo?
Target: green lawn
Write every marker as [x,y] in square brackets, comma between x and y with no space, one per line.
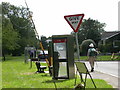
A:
[0,74]
[16,74]
[100,58]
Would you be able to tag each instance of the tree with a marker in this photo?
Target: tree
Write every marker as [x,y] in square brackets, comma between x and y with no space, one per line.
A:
[44,42]
[10,37]
[0,31]
[90,29]
[21,22]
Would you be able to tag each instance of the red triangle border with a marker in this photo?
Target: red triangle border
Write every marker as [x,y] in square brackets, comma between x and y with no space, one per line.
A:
[75,30]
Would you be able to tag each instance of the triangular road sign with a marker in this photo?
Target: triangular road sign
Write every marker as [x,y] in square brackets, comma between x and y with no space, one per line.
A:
[74,21]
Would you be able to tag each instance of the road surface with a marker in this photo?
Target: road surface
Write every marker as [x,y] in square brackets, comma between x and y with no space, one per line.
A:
[107,70]
[108,67]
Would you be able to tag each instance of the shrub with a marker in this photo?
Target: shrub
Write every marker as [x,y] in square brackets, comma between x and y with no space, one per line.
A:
[85,45]
[108,48]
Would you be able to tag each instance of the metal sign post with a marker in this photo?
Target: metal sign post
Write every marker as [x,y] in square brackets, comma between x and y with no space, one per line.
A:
[77,45]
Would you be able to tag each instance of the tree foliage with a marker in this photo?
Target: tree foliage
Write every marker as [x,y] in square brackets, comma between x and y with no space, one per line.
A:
[44,42]
[9,35]
[90,29]
[0,30]
[17,24]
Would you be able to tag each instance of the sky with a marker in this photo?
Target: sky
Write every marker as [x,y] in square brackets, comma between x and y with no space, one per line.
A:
[48,15]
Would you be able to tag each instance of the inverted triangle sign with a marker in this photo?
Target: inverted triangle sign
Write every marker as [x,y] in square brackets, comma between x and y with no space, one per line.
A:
[74,21]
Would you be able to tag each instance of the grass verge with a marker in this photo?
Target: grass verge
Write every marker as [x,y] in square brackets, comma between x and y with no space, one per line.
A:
[100,58]
[16,74]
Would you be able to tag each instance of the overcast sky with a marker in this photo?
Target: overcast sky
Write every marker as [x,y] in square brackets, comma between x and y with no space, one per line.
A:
[48,15]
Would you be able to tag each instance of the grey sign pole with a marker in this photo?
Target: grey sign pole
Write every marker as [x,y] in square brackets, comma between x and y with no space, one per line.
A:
[78,54]
[77,44]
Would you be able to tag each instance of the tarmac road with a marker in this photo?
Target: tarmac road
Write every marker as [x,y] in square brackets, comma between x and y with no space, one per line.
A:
[108,71]
[108,67]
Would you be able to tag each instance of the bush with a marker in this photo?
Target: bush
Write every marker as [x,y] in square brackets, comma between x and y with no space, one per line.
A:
[85,45]
[17,52]
[108,48]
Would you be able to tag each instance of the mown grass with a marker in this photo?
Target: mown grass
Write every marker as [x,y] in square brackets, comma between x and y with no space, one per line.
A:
[0,74]
[100,58]
[17,74]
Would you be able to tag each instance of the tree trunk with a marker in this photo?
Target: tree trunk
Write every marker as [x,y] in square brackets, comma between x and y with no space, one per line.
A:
[3,56]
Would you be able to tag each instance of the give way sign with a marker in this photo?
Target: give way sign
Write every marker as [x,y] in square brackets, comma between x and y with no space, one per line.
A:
[74,21]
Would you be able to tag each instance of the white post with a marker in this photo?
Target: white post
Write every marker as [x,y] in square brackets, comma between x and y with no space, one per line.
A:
[77,44]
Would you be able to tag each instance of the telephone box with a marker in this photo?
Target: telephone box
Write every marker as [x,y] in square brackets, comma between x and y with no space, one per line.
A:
[63,56]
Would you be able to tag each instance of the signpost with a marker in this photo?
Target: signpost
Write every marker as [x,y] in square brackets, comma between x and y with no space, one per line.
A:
[74,21]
